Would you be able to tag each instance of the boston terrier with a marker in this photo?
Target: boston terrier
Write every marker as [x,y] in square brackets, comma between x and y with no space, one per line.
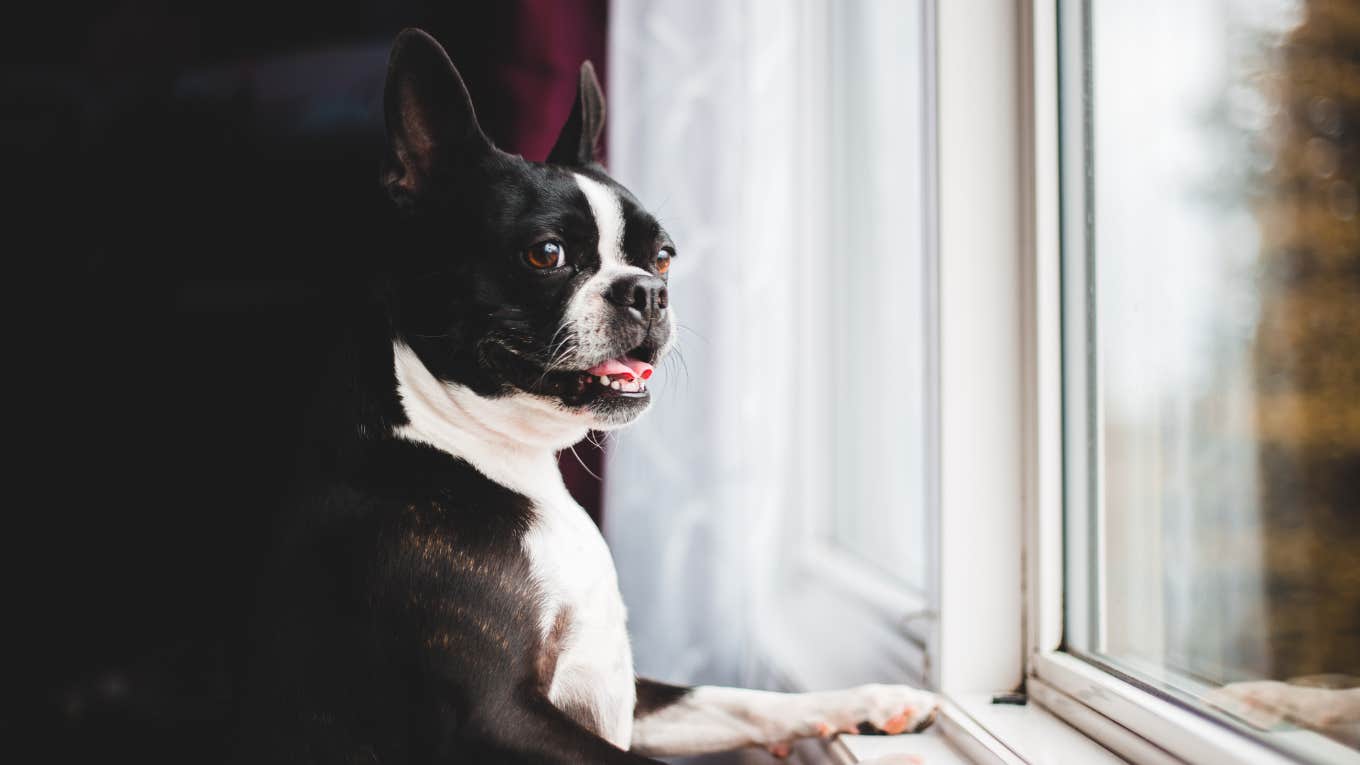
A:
[437,594]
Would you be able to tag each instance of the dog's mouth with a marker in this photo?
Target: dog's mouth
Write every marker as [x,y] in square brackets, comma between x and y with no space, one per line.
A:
[616,381]
[623,376]
[610,383]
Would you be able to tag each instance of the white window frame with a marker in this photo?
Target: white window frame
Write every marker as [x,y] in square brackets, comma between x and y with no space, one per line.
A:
[978,420]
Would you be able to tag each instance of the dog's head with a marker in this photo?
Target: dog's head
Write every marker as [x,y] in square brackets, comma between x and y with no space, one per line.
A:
[537,281]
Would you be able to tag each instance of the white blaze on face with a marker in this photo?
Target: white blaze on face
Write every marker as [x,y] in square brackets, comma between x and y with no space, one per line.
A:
[608,211]
[589,311]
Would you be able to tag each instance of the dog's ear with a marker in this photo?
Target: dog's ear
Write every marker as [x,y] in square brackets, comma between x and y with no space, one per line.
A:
[431,126]
[576,144]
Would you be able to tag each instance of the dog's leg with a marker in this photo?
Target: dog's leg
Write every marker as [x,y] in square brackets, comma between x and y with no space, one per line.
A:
[671,720]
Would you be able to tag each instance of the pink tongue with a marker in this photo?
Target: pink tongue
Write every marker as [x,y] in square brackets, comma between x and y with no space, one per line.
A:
[625,367]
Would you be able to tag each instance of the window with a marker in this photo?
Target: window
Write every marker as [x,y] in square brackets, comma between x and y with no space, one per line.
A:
[782,487]
[1104,258]
[1179,409]
[1211,263]
[865,553]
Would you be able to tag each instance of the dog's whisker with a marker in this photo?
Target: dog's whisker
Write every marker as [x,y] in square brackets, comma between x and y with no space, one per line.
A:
[679,359]
[558,350]
[691,330]
[582,463]
[557,358]
[552,341]
[560,353]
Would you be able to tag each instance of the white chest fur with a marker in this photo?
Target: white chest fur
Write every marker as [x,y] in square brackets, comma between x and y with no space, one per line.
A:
[512,440]
[594,671]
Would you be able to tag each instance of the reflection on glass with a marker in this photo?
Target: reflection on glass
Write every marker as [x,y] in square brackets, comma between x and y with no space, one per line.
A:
[1225,152]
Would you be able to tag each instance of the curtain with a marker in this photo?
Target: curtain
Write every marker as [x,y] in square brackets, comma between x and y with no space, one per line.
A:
[704,128]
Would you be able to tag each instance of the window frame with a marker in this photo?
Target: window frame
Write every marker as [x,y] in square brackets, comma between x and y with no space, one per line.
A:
[1124,714]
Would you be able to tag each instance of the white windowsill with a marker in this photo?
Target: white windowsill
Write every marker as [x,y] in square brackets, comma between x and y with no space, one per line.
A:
[974,730]
[1110,709]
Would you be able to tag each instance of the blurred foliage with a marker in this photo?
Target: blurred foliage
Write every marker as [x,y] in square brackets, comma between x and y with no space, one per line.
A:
[1307,346]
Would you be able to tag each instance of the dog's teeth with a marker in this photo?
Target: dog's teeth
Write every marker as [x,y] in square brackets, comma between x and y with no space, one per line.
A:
[616,385]
[604,379]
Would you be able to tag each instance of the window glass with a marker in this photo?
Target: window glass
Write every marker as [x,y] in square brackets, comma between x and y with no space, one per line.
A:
[1217,540]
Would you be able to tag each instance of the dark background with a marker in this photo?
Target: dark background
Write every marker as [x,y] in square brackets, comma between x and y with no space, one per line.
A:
[192,195]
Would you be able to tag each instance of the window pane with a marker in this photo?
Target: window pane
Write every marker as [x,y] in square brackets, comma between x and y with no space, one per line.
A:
[1222,269]
[878,314]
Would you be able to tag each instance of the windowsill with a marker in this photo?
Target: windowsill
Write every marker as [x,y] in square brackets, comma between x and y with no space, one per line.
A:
[971,729]
[974,730]
[931,747]
[1111,710]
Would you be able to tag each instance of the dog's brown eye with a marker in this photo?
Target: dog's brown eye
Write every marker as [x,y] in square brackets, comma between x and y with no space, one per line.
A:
[663,260]
[545,255]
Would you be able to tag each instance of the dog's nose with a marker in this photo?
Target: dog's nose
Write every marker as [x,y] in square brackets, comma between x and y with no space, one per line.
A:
[643,293]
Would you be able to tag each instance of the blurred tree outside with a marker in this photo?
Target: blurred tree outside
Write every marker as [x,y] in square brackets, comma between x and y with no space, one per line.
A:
[1307,348]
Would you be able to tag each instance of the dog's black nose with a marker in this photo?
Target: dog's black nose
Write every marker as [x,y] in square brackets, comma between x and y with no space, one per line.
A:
[643,293]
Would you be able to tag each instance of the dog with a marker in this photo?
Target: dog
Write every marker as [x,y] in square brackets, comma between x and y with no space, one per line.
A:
[437,594]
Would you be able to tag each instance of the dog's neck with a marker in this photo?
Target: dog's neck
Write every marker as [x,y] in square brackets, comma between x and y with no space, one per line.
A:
[513,439]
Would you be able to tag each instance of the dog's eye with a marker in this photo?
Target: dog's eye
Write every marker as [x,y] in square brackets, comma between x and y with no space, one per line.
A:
[663,260]
[545,255]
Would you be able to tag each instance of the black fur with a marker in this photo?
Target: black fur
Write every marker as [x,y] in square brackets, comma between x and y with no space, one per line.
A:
[653,696]
[399,620]
[580,137]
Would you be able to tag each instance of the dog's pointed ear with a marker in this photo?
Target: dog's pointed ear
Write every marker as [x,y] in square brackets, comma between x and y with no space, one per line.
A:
[431,126]
[581,135]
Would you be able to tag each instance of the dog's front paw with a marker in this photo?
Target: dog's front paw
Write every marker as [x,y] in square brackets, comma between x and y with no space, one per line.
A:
[890,709]
[1266,703]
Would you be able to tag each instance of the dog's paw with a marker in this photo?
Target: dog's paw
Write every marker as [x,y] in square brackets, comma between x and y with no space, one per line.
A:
[890,709]
[1266,703]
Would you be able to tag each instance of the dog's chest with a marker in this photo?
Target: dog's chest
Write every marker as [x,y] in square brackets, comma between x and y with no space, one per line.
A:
[583,620]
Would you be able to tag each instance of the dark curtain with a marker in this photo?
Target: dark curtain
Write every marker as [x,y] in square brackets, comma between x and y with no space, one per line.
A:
[191,185]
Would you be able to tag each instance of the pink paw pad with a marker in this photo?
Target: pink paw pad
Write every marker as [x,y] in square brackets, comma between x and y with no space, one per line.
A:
[898,722]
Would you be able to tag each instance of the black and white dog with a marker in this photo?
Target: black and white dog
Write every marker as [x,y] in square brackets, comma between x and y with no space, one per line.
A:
[441,597]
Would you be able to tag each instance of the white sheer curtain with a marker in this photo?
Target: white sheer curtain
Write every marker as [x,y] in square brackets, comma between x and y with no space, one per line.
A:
[704,100]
